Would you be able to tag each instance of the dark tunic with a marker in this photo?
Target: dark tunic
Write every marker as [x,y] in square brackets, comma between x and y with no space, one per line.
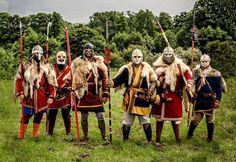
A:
[206,93]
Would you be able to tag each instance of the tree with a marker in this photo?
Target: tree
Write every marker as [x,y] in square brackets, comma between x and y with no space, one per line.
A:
[9,28]
[6,65]
[80,35]
[143,22]
[217,13]
[166,21]
[223,56]
[117,22]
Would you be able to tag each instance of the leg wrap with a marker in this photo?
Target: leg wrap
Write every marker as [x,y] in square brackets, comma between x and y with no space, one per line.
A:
[66,117]
[148,131]
[192,127]
[210,131]
[51,120]
[159,126]
[176,129]
[102,127]
[126,130]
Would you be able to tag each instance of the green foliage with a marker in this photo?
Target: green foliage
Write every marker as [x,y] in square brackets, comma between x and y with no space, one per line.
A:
[186,55]
[160,43]
[217,13]
[116,60]
[6,65]
[215,20]
[9,29]
[223,56]
[209,34]
[121,40]
[117,22]
[165,20]
[80,35]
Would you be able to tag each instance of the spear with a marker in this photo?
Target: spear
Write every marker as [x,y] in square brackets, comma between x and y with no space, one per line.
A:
[163,33]
[21,74]
[194,37]
[49,24]
[108,61]
[73,98]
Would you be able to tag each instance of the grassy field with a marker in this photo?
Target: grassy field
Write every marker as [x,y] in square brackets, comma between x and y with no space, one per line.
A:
[54,148]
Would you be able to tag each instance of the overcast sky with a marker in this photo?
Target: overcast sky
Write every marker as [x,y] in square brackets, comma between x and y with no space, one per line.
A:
[79,11]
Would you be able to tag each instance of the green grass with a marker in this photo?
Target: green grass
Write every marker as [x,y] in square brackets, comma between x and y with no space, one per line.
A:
[56,149]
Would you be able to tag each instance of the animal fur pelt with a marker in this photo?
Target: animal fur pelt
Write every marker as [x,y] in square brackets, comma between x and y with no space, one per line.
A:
[33,73]
[81,68]
[147,72]
[209,72]
[169,71]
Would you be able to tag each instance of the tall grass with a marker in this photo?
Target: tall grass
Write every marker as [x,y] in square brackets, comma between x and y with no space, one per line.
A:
[55,148]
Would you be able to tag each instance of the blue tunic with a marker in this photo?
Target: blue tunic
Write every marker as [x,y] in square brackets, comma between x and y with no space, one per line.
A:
[208,87]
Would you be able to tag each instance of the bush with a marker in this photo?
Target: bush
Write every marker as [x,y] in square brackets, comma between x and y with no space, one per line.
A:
[223,57]
[6,65]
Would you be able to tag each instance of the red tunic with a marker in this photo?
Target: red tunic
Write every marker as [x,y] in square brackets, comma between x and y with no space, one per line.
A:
[38,101]
[62,98]
[91,100]
[170,108]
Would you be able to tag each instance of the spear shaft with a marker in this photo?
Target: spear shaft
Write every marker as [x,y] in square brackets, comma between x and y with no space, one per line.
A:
[73,98]
[21,74]
[107,61]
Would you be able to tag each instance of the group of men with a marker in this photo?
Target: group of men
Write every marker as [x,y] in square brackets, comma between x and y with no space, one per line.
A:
[149,91]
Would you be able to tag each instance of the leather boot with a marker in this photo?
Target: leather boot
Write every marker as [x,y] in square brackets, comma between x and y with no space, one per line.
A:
[148,132]
[192,127]
[176,128]
[84,124]
[22,131]
[159,126]
[102,127]
[125,130]
[35,132]
[210,131]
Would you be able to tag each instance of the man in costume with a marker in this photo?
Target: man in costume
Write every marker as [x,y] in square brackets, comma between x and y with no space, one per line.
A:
[208,84]
[63,98]
[171,73]
[139,79]
[90,87]
[36,89]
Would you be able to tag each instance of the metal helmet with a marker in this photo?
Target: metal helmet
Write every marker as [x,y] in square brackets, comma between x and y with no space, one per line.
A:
[37,52]
[205,60]
[88,46]
[168,55]
[137,56]
[88,50]
[61,58]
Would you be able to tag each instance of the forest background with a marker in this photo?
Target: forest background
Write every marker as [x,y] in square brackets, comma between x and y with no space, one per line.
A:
[215,21]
